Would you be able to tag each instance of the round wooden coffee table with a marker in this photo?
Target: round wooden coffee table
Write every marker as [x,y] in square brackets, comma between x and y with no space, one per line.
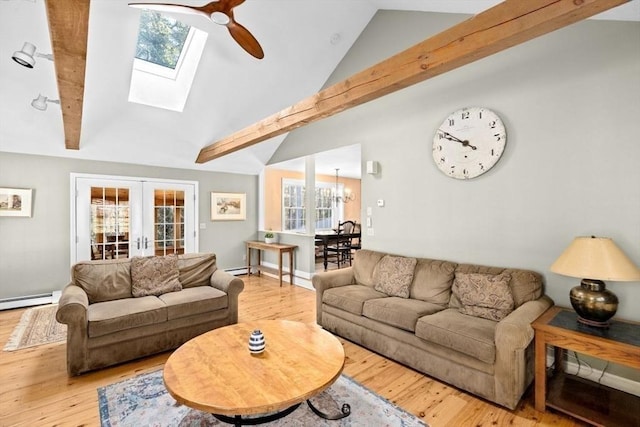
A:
[216,373]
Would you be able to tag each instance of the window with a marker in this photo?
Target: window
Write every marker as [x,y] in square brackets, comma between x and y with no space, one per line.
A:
[160,39]
[167,56]
[294,210]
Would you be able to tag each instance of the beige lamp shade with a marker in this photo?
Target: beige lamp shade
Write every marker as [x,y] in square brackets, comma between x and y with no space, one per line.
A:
[596,258]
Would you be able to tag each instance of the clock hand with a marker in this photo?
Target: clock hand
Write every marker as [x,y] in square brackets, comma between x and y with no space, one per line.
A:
[450,137]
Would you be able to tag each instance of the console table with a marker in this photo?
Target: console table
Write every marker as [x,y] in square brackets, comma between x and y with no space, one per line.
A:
[281,249]
[586,400]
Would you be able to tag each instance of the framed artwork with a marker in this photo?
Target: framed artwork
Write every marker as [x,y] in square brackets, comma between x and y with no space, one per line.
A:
[15,202]
[228,206]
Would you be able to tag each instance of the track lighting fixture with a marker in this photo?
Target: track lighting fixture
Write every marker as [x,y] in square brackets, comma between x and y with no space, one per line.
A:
[25,57]
[40,103]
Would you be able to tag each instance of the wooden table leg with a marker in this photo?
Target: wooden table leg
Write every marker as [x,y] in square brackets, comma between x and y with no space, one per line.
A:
[280,266]
[291,267]
[540,372]
[259,260]
[248,260]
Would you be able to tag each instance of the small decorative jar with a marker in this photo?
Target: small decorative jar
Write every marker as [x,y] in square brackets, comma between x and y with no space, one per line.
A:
[256,342]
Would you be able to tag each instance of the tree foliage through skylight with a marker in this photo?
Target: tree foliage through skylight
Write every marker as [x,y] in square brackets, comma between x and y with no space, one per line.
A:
[160,39]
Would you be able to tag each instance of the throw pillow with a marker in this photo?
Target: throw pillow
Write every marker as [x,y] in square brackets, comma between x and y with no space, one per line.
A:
[393,275]
[484,295]
[155,275]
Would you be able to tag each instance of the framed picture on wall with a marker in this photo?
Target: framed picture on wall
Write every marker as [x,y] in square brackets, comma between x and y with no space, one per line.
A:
[15,202]
[228,206]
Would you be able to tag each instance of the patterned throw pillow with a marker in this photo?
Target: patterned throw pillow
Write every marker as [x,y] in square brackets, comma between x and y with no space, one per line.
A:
[484,295]
[155,275]
[393,275]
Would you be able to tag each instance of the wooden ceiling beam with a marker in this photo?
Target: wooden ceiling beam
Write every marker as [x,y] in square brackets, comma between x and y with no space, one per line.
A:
[69,27]
[505,25]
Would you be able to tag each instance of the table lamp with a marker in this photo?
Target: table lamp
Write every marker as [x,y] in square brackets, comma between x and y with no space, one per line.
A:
[595,259]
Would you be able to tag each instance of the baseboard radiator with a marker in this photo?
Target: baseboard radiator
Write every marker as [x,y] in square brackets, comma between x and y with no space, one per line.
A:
[239,271]
[26,301]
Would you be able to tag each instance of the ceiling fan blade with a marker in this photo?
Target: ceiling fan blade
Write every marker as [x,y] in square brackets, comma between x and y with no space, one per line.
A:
[169,8]
[245,39]
[224,6]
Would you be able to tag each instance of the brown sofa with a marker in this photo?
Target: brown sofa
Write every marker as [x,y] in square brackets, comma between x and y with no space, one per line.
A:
[467,325]
[107,324]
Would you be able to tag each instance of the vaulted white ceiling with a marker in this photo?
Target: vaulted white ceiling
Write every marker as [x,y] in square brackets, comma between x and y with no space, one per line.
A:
[303,40]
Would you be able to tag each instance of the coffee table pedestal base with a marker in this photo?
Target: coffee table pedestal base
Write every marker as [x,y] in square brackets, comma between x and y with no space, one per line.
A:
[238,421]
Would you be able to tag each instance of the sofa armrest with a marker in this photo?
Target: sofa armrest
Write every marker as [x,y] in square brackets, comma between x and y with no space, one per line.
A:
[327,280]
[515,331]
[514,335]
[232,285]
[227,283]
[72,310]
[73,305]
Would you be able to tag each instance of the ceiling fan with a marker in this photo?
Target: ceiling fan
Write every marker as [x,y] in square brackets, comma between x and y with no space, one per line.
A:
[220,12]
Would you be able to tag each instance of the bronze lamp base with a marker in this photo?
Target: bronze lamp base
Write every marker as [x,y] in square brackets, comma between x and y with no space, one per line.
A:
[594,303]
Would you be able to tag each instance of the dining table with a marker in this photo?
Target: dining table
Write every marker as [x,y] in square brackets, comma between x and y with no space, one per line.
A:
[326,237]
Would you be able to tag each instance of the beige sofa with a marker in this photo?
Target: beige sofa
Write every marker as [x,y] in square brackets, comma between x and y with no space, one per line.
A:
[119,310]
[467,325]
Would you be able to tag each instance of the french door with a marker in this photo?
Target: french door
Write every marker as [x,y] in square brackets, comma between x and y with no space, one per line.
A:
[123,217]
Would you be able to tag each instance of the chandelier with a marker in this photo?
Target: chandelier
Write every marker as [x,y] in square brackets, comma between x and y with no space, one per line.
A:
[347,197]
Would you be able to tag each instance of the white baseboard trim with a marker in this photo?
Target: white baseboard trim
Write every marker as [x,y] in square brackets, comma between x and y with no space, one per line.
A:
[240,271]
[587,372]
[26,301]
[300,278]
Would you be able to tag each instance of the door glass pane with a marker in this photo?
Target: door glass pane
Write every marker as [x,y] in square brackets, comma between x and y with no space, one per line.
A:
[168,221]
[109,225]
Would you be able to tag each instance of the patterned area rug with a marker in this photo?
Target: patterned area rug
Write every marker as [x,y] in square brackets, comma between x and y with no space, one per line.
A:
[37,326]
[144,401]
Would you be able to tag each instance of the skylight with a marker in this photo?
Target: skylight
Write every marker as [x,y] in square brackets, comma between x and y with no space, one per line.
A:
[167,56]
[160,39]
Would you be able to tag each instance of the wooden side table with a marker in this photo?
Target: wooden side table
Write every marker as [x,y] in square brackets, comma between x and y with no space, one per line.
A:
[277,247]
[586,400]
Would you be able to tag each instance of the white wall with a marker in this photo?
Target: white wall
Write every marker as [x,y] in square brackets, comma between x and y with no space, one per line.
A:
[34,252]
[571,104]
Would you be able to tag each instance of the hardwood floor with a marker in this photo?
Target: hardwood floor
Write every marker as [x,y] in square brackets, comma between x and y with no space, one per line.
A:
[35,389]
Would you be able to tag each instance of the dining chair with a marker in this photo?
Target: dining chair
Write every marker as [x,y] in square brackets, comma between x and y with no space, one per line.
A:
[356,241]
[341,249]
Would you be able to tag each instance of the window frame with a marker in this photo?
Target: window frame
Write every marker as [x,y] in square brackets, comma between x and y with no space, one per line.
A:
[336,208]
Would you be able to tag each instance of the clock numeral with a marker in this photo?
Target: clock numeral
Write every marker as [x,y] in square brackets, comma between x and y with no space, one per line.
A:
[442,160]
[493,124]
[480,114]
[481,166]
[465,172]
[451,122]
[493,152]
[465,115]
[498,137]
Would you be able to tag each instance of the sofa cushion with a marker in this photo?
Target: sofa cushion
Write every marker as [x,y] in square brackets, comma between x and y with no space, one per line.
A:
[350,298]
[154,275]
[103,280]
[364,263]
[192,301]
[118,315]
[525,285]
[432,280]
[393,275]
[484,295]
[398,312]
[449,328]
[196,269]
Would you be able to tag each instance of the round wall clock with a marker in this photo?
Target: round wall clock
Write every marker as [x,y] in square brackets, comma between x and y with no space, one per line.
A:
[469,142]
